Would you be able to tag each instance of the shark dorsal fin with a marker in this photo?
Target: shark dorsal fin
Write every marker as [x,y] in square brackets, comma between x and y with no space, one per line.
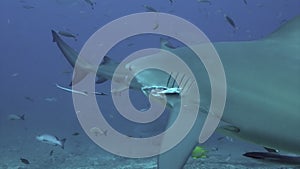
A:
[290,30]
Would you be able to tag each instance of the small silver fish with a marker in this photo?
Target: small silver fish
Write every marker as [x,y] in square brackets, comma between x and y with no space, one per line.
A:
[144,109]
[50,99]
[90,2]
[230,21]
[29,98]
[98,132]
[156,26]
[15,75]
[75,134]
[130,44]
[52,140]
[16,117]
[51,153]
[204,1]
[149,8]
[68,34]
[28,6]
[99,93]
[25,161]
[165,43]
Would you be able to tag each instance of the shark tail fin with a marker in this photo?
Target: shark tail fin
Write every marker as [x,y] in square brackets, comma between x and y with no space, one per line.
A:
[22,117]
[84,68]
[54,36]
[69,53]
[63,143]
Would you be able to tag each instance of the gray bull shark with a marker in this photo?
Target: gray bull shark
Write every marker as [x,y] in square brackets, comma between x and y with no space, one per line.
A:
[263,90]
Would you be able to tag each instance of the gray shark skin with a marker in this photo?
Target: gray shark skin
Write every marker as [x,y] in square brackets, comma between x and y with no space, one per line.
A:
[104,71]
[263,91]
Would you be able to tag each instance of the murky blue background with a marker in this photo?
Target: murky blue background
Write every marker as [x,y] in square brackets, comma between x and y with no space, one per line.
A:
[31,64]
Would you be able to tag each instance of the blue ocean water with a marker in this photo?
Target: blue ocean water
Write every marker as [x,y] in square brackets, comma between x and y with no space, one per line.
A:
[31,65]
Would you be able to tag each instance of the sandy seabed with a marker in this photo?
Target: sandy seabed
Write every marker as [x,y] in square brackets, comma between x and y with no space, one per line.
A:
[83,154]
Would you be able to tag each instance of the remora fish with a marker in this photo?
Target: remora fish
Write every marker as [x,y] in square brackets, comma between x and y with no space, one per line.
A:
[274,158]
[262,87]
[53,140]
[85,93]
[71,90]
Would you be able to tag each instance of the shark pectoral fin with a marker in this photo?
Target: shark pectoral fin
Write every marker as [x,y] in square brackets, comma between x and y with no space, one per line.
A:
[83,67]
[176,157]
[180,152]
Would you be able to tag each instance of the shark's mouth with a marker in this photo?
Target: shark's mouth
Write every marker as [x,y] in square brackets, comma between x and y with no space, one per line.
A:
[160,90]
[170,88]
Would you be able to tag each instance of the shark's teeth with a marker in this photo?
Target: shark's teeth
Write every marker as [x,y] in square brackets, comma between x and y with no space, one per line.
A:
[173,90]
[160,90]
[176,84]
